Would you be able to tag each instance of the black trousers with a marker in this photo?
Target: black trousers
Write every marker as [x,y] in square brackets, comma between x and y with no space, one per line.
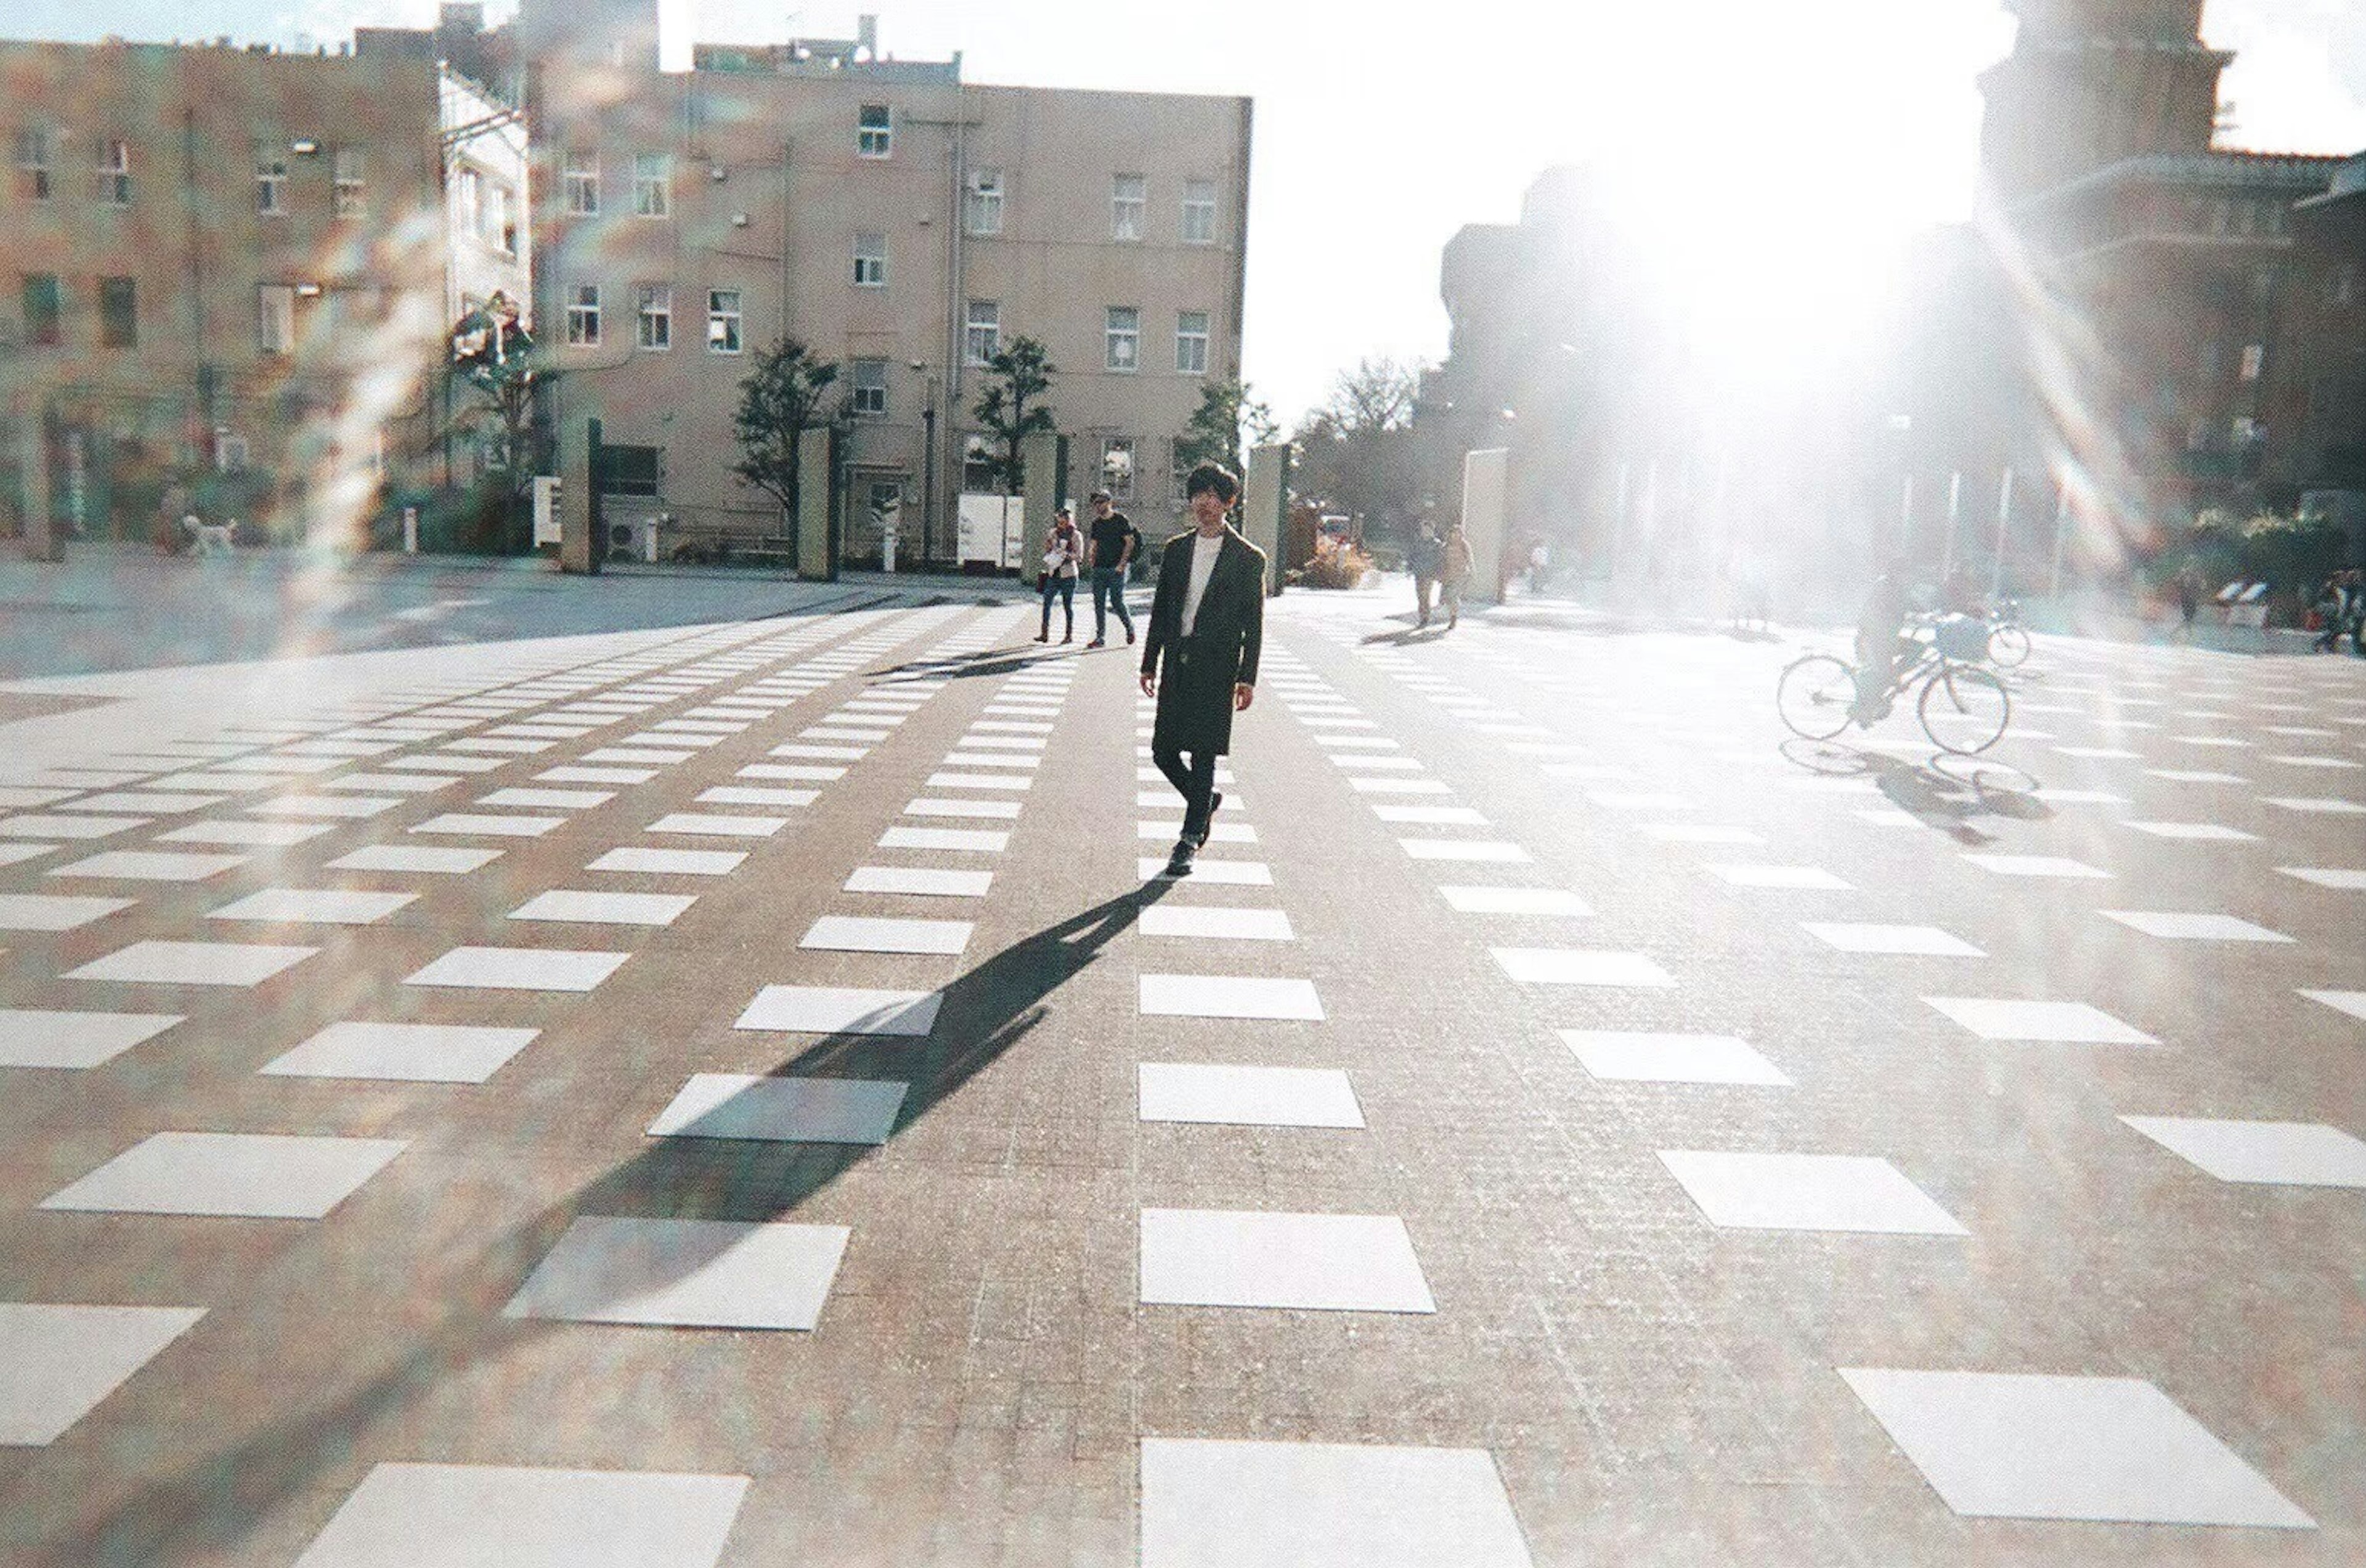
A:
[1195,781]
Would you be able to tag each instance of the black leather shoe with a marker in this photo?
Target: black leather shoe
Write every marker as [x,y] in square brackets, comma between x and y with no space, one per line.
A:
[1215,803]
[1179,863]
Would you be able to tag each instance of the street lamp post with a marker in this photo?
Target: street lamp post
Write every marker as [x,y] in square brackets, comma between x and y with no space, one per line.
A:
[928,470]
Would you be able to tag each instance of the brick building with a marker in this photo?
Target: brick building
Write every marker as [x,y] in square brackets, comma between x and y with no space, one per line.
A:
[227,274]
[900,221]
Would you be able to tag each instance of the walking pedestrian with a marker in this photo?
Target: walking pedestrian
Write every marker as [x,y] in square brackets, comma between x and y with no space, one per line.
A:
[1207,625]
[1453,571]
[1424,560]
[1108,552]
[1063,550]
[1539,564]
[2332,607]
[2188,598]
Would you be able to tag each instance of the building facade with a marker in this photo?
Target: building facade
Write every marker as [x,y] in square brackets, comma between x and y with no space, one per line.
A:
[228,273]
[902,224]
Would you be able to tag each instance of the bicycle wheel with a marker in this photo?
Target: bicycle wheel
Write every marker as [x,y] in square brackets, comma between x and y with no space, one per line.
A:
[1964,709]
[1814,696]
[2007,646]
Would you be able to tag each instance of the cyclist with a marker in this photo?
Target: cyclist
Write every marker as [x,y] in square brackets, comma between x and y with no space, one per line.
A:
[1882,648]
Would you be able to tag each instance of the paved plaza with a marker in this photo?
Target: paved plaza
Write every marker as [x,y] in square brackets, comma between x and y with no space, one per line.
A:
[736,1094]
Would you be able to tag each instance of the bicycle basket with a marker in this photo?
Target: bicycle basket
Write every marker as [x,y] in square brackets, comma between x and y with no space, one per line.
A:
[1962,637]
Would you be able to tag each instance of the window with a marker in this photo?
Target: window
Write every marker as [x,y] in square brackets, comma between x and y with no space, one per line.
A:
[44,309]
[270,180]
[33,164]
[1199,212]
[2255,360]
[1117,466]
[500,228]
[1123,338]
[582,180]
[875,131]
[982,332]
[352,189]
[1129,204]
[274,324]
[471,189]
[723,321]
[629,471]
[583,315]
[115,174]
[653,315]
[1191,343]
[2263,284]
[977,463]
[2341,286]
[652,184]
[982,212]
[1178,471]
[871,261]
[871,388]
[118,312]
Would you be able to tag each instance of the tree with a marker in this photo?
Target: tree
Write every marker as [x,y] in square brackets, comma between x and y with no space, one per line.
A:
[1011,407]
[786,393]
[493,354]
[1225,426]
[1356,452]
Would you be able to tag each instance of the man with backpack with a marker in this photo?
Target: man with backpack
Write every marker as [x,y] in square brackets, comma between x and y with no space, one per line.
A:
[1109,551]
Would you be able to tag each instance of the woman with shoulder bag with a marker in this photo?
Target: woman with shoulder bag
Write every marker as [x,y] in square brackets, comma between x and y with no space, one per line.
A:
[1064,552]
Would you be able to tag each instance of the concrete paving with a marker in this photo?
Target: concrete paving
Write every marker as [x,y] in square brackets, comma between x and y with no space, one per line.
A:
[735,1094]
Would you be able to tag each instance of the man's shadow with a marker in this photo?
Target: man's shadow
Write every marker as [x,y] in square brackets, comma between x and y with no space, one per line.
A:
[962,667]
[208,1502]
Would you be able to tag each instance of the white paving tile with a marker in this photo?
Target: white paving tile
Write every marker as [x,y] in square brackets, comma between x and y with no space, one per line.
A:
[1203,921]
[855,933]
[715,825]
[327,808]
[2201,832]
[2340,878]
[1221,833]
[55,912]
[484,825]
[1579,966]
[302,906]
[833,1009]
[1514,901]
[1924,940]
[737,795]
[553,800]
[1228,996]
[59,825]
[262,1175]
[604,909]
[2184,926]
[2323,805]
[150,865]
[418,858]
[466,1515]
[975,841]
[974,810]
[783,1110]
[1212,872]
[2002,1018]
[1247,1096]
[58,1363]
[2289,1154]
[407,1052]
[1672,1058]
[193,963]
[1742,1191]
[2007,1445]
[35,1037]
[596,775]
[518,969]
[1308,1262]
[2037,865]
[1804,878]
[1470,850]
[678,863]
[2351,1003]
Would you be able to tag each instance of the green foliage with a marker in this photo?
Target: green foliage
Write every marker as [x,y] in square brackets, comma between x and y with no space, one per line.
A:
[785,393]
[1225,426]
[2290,552]
[493,355]
[1012,407]
[1355,453]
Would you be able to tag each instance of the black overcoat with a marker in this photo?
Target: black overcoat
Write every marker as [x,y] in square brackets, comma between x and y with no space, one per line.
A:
[1195,695]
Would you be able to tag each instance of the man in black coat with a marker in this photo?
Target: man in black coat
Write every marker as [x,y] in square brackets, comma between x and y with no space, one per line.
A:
[1208,620]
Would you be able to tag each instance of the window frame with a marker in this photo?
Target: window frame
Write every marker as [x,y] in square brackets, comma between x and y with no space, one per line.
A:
[870,269]
[349,181]
[275,319]
[983,195]
[1184,336]
[977,451]
[1193,205]
[583,315]
[653,317]
[270,180]
[1129,211]
[653,193]
[115,173]
[118,311]
[971,326]
[719,316]
[1112,335]
[874,140]
[34,284]
[857,389]
[1119,489]
[579,174]
[35,152]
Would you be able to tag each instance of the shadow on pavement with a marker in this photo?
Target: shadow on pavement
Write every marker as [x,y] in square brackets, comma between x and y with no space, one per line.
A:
[207,1504]
[1949,793]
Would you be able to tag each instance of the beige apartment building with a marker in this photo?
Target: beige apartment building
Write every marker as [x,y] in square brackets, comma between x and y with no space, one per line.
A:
[902,224]
[227,274]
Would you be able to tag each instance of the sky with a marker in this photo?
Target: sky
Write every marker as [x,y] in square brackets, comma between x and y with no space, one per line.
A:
[1382,128]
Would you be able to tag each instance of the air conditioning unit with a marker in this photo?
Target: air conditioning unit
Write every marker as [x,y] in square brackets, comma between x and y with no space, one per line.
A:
[632,538]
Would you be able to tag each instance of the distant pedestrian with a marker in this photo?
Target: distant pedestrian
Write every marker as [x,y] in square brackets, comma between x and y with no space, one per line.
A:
[2188,598]
[1063,550]
[2333,608]
[1453,571]
[1539,566]
[1207,625]
[1424,560]
[1108,552]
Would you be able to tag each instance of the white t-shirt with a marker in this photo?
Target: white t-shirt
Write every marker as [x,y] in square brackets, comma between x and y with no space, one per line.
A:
[1204,551]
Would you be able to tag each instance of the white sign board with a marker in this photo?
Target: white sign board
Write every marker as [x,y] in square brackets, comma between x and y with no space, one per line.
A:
[546,510]
[993,529]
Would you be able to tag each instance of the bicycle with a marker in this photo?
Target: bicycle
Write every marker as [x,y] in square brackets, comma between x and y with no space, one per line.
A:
[1963,707]
[2008,645]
